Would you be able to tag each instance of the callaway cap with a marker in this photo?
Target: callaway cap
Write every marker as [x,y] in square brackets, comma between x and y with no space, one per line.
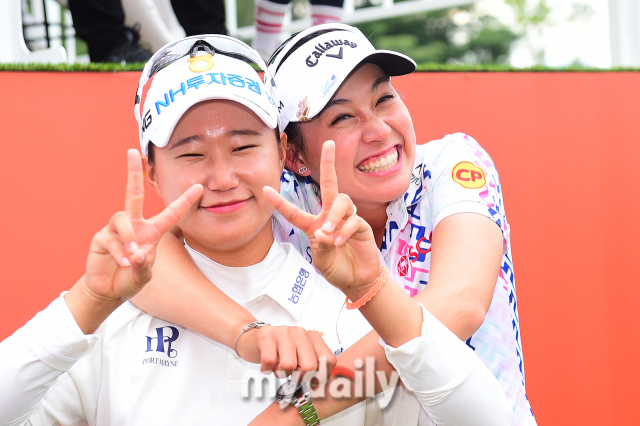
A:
[308,77]
[195,69]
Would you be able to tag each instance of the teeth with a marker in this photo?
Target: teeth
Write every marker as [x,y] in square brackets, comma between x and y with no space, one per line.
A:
[381,164]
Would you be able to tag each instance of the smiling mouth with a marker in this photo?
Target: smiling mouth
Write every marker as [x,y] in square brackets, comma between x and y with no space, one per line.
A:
[226,207]
[380,163]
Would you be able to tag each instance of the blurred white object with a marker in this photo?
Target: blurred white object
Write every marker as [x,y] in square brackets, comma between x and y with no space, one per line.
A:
[12,45]
[624,16]
[387,9]
[158,22]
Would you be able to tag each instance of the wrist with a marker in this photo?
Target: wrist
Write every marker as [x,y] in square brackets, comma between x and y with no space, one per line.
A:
[362,294]
[88,308]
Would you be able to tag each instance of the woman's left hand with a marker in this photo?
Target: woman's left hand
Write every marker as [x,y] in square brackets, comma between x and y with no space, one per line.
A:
[342,243]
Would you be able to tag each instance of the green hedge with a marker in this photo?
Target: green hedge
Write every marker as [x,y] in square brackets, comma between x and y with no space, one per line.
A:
[430,67]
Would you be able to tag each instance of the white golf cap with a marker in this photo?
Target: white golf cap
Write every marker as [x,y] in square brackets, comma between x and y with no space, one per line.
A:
[307,78]
[193,70]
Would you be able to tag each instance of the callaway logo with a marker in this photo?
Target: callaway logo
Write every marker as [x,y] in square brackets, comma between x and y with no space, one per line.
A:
[320,50]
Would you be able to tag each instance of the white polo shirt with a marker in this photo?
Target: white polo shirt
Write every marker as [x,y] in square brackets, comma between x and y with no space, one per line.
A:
[140,370]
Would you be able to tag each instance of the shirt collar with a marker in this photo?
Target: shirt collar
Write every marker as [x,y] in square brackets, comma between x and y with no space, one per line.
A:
[292,287]
[242,284]
[284,276]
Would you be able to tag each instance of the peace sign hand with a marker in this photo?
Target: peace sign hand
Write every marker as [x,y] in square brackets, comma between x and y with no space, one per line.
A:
[123,252]
[342,243]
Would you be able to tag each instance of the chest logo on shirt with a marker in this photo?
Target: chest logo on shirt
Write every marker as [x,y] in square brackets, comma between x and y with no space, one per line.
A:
[163,340]
[468,175]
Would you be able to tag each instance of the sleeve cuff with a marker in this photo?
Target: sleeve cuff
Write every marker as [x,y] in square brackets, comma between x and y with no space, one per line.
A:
[434,364]
[56,338]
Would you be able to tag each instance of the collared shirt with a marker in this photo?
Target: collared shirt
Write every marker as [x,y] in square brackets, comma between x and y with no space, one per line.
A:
[451,175]
[138,370]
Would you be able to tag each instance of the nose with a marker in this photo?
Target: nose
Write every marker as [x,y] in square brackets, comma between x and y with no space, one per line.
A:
[222,177]
[375,129]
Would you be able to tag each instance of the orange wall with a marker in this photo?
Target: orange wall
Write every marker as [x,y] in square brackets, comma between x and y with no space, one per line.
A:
[567,147]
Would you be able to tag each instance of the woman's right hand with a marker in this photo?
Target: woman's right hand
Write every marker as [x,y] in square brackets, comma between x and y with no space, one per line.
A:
[283,350]
[122,253]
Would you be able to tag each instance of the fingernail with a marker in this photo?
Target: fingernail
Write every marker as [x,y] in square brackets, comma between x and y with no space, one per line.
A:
[133,246]
[126,262]
[327,226]
[338,240]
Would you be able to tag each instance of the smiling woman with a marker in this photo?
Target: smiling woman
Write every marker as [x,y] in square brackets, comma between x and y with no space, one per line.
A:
[440,229]
[233,156]
[83,359]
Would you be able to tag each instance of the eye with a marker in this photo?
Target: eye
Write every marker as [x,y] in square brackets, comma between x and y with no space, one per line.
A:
[384,98]
[340,118]
[189,155]
[244,147]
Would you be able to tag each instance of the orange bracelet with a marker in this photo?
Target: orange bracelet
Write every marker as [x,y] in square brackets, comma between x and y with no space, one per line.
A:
[372,291]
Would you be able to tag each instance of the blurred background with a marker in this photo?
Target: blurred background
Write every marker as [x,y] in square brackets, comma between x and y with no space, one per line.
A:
[562,130]
[517,33]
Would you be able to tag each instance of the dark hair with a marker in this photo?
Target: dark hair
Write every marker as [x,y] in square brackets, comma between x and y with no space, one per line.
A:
[151,153]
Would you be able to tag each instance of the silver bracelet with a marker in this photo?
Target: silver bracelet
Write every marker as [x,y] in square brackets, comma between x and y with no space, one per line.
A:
[255,324]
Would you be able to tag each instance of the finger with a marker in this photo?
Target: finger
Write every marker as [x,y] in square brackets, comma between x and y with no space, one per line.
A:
[325,251]
[142,263]
[306,354]
[297,217]
[352,226]
[328,179]
[323,353]
[134,196]
[174,211]
[342,207]
[108,243]
[287,356]
[120,225]
[268,355]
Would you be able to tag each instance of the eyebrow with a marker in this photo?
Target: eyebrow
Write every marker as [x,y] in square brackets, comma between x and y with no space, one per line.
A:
[379,81]
[374,86]
[243,132]
[188,139]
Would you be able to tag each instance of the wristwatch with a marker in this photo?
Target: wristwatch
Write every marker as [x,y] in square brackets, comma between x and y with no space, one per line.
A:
[298,394]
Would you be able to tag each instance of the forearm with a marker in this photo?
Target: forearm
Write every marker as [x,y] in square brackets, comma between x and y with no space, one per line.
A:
[451,383]
[33,358]
[88,308]
[181,294]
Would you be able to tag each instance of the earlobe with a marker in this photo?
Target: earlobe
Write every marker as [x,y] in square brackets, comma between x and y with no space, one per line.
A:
[150,174]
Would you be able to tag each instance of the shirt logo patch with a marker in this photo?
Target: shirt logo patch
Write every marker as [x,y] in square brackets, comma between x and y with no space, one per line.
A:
[403,266]
[201,63]
[468,175]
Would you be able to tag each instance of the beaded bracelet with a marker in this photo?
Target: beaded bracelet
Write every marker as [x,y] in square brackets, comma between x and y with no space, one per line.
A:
[372,291]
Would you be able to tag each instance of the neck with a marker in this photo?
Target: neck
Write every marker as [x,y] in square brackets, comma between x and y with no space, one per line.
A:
[375,214]
[250,253]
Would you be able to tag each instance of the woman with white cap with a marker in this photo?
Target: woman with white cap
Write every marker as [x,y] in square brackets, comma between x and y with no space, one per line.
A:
[436,210]
[209,129]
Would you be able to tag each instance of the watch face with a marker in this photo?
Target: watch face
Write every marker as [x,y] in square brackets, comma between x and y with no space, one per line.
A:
[286,390]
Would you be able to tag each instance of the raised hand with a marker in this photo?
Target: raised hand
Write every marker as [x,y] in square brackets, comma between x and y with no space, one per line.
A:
[343,246]
[122,253]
